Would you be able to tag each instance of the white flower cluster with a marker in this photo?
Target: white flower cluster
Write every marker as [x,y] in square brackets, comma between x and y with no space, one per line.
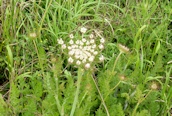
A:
[85,50]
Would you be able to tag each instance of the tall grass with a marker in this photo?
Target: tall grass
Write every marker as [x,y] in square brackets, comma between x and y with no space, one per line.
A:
[36,78]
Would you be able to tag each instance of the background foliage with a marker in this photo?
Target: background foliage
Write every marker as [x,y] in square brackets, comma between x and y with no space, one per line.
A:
[35,78]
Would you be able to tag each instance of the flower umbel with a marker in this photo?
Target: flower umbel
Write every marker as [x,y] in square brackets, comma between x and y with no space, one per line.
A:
[83,51]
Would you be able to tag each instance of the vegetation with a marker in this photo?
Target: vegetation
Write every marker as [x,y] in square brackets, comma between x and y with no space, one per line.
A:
[37,78]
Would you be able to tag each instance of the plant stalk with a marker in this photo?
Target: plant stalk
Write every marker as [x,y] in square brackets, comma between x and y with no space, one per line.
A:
[80,73]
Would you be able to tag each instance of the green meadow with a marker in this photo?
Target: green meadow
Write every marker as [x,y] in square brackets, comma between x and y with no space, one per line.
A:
[85,58]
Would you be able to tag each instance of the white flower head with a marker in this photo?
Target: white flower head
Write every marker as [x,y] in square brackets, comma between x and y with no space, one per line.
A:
[92,41]
[101,46]
[88,48]
[91,36]
[78,62]
[63,46]
[87,43]
[83,30]
[94,46]
[60,41]
[81,57]
[95,52]
[84,60]
[80,47]
[70,60]
[71,52]
[84,40]
[71,36]
[71,42]
[77,56]
[73,46]
[88,53]
[91,59]
[101,58]
[77,52]
[85,55]
[77,42]
[92,50]
[81,43]
[87,66]
[102,40]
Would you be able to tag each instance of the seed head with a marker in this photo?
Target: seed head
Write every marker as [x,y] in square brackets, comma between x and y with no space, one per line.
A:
[154,86]
[123,48]
[33,35]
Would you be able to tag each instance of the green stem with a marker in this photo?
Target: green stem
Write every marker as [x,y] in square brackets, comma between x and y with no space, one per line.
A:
[116,61]
[80,73]
[103,102]
[111,90]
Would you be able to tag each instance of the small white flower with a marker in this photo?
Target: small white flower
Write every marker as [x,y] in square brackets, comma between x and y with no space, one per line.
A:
[101,58]
[60,41]
[92,50]
[77,56]
[101,46]
[85,48]
[78,62]
[87,66]
[87,53]
[71,52]
[91,59]
[80,47]
[81,57]
[87,43]
[70,60]
[69,47]
[88,48]
[71,36]
[64,46]
[84,60]
[102,40]
[77,42]
[92,41]
[74,46]
[83,30]
[71,42]
[84,40]
[95,53]
[77,52]
[91,36]
[81,43]
[94,46]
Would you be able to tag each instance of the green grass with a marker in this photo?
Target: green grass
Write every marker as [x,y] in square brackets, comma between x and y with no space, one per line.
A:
[37,80]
